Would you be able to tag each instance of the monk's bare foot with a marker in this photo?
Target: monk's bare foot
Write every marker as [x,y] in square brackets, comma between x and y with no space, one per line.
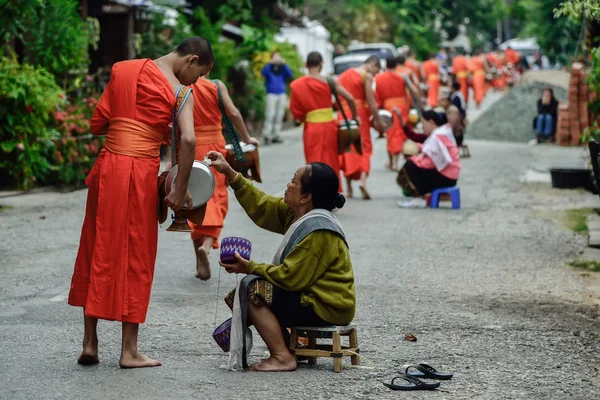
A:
[89,354]
[349,193]
[138,360]
[365,194]
[88,358]
[202,264]
[275,364]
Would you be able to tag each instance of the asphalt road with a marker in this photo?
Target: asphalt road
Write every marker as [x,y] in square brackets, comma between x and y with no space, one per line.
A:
[484,289]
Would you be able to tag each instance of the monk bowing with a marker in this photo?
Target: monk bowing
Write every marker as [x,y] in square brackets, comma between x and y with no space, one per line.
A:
[391,91]
[209,137]
[310,102]
[115,263]
[359,83]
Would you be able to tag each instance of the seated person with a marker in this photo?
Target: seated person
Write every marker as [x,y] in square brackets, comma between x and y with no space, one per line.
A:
[545,121]
[310,281]
[437,166]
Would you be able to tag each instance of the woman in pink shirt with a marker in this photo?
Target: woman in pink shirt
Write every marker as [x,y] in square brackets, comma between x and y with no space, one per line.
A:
[437,166]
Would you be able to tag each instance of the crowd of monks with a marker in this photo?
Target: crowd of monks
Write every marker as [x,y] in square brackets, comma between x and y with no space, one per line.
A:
[114,268]
[404,84]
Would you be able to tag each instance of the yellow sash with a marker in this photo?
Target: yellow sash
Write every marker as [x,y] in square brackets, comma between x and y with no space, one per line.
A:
[320,115]
[462,74]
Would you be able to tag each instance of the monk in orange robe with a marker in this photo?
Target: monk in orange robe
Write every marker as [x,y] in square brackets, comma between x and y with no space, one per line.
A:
[115,263]
[359,83]
[391,92]
[310,102]
[477,67]
[414,65]
[209,137]
[460,70]
[499,61]
[430,70]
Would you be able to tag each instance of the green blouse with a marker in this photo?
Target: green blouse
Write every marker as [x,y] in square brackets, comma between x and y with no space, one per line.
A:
[319,266]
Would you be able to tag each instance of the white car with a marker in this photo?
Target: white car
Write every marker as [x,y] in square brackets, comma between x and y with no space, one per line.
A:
[342,63]
[381,50]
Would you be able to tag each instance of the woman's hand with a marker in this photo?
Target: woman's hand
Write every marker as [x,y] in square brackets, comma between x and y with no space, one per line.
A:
[254,141]
[218,162]
[239,267]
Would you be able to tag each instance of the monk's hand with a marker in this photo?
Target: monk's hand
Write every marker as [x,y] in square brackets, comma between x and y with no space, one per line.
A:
[176,199]
[358,121]
[239,267]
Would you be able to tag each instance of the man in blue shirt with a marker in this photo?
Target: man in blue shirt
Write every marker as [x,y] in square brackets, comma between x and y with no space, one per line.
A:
[276,73]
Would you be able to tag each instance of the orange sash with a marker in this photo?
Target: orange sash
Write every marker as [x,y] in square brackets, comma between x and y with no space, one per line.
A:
[462,74]
[132,138]
[392,102]
[208,134]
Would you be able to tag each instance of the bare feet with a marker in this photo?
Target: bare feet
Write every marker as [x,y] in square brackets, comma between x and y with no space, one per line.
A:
[275,364]
[202,264]
[365,194]
[89,355]
[138,360]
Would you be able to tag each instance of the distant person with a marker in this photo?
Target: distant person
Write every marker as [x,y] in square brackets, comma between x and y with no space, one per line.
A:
[458,99]
[276,73]
[545,121]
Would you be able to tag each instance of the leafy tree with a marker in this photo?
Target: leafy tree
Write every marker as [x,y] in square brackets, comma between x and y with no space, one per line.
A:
[557,37]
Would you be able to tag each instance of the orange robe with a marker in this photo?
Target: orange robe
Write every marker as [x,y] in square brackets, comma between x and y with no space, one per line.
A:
[460,69]
[352,163]
[414,67]
[512,57]
[391,92]
[432,77]
[209,137]
[499,82]
[477,69]
[309,97]
[114,268]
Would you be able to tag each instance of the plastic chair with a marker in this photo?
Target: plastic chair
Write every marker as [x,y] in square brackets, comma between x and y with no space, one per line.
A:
[454,193]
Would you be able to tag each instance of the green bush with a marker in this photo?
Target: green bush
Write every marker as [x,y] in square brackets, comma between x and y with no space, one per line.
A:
[28,97]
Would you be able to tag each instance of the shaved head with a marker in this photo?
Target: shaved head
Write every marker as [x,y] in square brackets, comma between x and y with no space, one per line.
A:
[197,46]
[314,59]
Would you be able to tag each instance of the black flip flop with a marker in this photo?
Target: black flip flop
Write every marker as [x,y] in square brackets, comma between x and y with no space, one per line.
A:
[426,371]
[414,384]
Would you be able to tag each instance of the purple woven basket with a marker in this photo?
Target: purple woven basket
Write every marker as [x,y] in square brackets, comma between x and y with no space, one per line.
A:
[230,245]
[222,334]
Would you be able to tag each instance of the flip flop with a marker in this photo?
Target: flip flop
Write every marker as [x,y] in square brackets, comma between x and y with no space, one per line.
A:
[426,371]
[414,384]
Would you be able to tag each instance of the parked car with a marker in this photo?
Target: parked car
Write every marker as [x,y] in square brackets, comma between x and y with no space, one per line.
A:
[342,63]
[381,50]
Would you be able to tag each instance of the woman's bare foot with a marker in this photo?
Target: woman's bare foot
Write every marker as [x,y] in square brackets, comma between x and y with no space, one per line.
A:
[275,364]
[138,360]
[202,264]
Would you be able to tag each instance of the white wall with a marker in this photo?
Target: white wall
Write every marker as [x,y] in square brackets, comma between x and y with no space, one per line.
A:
[313,37]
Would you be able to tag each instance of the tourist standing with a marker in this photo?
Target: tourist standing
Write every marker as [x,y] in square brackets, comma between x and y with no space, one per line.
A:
[276,73]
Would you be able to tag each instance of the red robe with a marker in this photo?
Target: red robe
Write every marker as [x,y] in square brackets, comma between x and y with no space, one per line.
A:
[209,137]
[461,70]
[115,263]
[477,68]
[309,94]
[354,164]
[391,92]
[432,77]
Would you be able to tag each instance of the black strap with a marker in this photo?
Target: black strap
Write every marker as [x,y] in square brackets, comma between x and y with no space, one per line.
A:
[337,100]
[230,134]
[410,379]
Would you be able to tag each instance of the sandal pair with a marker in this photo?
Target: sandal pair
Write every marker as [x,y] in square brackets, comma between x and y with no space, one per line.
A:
[413,378]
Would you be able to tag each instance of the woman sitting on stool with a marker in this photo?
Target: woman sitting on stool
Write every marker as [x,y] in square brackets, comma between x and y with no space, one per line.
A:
[310,281]
[438,165]
[545,121]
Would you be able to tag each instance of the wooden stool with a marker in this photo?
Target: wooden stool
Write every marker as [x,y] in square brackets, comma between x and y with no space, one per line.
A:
[335,350]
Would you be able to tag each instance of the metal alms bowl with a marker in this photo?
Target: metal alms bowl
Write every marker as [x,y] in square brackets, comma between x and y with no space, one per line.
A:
[201,184]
